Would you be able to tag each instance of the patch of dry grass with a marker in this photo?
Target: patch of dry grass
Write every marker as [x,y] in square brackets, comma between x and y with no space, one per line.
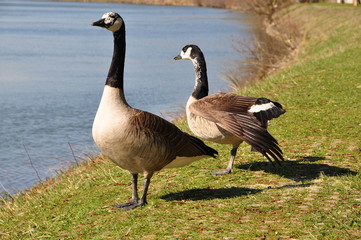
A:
[273,47]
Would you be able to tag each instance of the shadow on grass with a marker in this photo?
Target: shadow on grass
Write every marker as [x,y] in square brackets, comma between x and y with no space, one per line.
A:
[209,194]
[302,169]
[221,193]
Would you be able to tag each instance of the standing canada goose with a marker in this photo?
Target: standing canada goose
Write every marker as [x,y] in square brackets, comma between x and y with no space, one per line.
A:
[137,141]
[228,118]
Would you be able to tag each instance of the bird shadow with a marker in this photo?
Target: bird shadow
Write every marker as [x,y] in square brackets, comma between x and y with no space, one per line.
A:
[198,194]
[209,194]
[302,169]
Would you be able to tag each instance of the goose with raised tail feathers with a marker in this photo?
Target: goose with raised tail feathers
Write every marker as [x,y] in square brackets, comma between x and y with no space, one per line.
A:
[135,140]
[228,118]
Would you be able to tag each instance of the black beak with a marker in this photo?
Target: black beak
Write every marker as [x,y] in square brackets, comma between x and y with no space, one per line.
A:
[99,23]
[177,57]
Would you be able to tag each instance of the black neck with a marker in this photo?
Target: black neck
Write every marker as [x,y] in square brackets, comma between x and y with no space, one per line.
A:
[201,86]
[116,71]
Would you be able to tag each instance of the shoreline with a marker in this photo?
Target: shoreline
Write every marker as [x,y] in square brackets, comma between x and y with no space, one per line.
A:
[224,4]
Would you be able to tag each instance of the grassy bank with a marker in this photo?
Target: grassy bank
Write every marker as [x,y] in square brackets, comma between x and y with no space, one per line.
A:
[316,195]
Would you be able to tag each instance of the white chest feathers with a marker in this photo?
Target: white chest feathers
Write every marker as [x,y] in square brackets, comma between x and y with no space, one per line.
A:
[110,121]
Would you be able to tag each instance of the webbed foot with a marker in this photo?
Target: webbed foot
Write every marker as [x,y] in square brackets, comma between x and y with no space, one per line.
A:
[222,172]
[129,205]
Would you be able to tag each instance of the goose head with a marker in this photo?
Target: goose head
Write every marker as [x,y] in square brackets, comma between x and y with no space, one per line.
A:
[189,52]
[111,21]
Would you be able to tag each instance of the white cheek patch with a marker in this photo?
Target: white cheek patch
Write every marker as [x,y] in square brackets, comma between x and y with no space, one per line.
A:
[116,25]
[261,107]
[187,54]
[108,20]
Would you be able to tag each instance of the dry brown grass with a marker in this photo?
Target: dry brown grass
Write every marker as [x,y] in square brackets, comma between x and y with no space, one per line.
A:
[267,8]
[273,47]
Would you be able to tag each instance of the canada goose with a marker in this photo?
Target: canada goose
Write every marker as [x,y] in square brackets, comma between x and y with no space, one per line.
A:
[228,118]
[137,141]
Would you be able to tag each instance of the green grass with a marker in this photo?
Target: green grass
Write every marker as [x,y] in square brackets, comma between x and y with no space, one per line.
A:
[315,195]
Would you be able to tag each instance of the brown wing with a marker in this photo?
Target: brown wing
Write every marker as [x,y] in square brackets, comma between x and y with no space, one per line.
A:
[220,108]
[227,102]
[230,112]
[164,136]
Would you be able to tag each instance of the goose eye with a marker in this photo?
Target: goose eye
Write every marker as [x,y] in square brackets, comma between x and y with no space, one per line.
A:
[109,21]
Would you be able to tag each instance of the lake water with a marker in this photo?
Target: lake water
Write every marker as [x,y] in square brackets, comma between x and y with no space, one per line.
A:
[53,65]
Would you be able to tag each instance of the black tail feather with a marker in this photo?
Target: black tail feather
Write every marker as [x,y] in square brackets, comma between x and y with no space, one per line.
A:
[268,114]
[204,148]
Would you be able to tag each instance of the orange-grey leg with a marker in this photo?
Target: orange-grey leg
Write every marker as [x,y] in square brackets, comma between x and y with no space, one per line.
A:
[136,202]
[229,168]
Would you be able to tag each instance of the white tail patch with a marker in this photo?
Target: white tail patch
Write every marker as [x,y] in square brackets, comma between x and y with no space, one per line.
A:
[261,107]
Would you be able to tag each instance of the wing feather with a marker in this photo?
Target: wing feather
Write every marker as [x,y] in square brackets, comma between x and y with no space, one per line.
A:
[160,133]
